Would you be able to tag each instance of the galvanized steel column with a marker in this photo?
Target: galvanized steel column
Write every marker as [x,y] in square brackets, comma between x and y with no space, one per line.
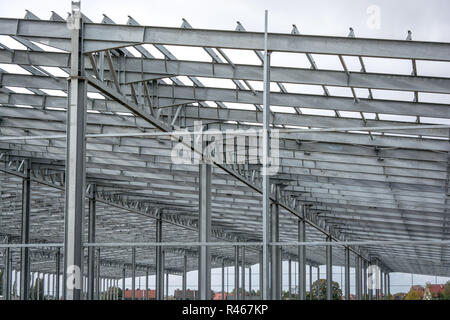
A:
[133,273]
[75,165]
[329,267]
[159,261]
[389,286]
[7,275]
[123,283]
[243,274]
[25,233]
[302,256]
[236,272]
[91,239]
[223,280]
[358,277]
[310,282]
[266,179]
[58,273]
[276,252]
[250,281]
[289,277]
[146,284]
[184,279]
[347,273]
[365,279]
[204,270]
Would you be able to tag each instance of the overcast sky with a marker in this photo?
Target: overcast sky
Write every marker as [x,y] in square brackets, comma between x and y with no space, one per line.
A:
[428,20]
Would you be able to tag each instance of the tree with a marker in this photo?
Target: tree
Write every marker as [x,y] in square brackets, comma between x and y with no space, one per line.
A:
[41,289]
[446,294]
[319,288]
[413,294]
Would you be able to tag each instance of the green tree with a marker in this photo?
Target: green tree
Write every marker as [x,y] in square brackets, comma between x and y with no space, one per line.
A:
[446,294]
[319,290]
[41,289]
[413,295]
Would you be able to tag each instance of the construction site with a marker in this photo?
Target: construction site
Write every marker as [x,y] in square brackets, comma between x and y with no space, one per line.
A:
[123,165]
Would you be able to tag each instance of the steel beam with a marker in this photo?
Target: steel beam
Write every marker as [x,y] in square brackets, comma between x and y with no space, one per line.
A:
[204,272]
[150,67]
[106,36]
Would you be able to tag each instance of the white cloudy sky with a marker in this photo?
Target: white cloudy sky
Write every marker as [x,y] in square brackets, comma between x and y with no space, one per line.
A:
[428,20]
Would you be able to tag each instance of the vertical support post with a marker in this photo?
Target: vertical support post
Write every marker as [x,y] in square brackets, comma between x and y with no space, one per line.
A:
[347,273]
[223,280]
[377,277]
[75,165]
[302,256]
[38,286]
[91,239]
[318,284]
[7,275]
[250,282]
[266,180]
[276,252]
[329,267]
[133,274]
[58,273]
[236,272]
[358,277]
[204,270]
[243,273]
[365,279]
[290,277]
[389,286]
[25,233]
[123,282]
[184,280]
[167,285]
[310,281]
[159,261]
[261,282]
[381,285]
[97,276]
[146,284]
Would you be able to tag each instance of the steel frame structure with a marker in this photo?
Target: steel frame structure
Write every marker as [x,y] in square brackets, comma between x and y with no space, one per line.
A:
[86,176]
